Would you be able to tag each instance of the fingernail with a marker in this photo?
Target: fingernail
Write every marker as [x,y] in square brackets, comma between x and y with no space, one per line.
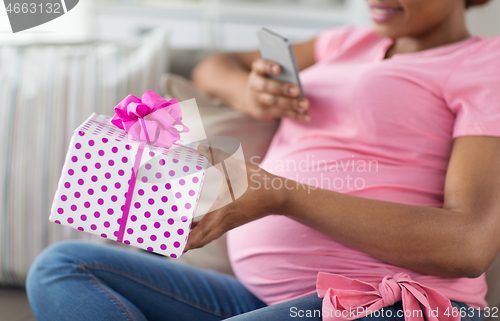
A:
[275,69]
[292,91]
[307,118]
[203,147]
[303,104]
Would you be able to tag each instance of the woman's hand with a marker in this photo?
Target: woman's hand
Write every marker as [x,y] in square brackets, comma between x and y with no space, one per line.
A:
[240,80]
[227,213]
[266,98]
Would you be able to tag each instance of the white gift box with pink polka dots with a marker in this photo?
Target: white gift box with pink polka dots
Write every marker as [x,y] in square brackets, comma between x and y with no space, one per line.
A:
[92,190]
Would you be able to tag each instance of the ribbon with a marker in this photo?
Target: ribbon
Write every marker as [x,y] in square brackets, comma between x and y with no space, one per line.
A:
[130,192]
[150,120]
[349,299]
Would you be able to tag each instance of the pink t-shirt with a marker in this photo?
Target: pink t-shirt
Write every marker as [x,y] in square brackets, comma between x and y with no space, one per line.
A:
[381,129]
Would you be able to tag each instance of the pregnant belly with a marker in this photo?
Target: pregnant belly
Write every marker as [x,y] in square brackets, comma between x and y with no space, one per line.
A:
[278,259]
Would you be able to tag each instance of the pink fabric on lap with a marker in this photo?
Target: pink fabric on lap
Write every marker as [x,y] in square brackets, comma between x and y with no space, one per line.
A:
[342,296]
[381,129]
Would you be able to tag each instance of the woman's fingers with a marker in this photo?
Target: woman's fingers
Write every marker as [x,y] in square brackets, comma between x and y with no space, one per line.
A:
[205,231]
[305,117]
[271,98]
[299,104]
[265,67]
[193,224]
[272,86]
[277,107]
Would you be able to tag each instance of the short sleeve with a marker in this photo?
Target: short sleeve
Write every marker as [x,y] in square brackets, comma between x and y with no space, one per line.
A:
[473,92]
[329,41]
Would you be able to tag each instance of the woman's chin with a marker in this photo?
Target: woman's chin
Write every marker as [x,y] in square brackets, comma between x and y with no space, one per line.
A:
[387,31]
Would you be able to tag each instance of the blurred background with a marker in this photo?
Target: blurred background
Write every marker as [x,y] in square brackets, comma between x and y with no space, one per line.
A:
[213,24]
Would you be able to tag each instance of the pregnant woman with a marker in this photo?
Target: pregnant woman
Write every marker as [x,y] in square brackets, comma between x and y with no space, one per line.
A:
[379,192]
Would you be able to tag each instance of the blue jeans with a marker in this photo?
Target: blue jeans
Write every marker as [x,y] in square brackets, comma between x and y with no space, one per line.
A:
[82,281]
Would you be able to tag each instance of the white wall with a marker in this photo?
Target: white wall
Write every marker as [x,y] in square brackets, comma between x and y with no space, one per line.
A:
[485,20]
[78,24]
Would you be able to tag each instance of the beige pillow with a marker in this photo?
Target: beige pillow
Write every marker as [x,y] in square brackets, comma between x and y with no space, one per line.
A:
[219,120]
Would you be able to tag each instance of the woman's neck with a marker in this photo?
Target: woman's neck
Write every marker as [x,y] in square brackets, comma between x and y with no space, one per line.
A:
[447,32]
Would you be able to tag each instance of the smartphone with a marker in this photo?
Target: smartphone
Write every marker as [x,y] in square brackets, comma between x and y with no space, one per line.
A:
[278,49]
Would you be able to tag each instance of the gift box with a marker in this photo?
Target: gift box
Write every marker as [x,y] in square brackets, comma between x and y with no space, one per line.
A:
[129,190]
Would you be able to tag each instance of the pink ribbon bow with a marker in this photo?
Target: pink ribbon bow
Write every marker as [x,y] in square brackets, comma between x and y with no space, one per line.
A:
[150,119]
[349,299]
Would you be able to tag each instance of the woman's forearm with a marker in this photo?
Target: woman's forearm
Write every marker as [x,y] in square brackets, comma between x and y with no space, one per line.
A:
[428,240]
[222,76]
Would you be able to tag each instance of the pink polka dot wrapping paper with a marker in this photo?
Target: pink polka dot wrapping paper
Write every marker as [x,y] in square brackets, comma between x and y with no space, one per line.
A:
[93,187]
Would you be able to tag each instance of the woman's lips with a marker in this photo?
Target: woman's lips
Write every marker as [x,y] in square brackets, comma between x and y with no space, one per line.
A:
[381,13]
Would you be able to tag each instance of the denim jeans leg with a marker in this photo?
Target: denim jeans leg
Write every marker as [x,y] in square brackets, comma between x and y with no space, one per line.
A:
[75,280]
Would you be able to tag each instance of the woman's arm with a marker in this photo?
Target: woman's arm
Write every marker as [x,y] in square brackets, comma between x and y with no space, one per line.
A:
[459,240]
[240,80]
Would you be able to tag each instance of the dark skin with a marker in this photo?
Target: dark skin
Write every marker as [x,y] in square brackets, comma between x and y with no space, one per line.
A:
[458,240]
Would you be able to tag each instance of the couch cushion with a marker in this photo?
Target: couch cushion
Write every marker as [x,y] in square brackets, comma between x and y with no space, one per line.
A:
[220,120]
[46,92]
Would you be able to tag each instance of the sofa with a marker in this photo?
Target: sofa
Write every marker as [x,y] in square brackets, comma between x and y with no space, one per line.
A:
[220,120]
